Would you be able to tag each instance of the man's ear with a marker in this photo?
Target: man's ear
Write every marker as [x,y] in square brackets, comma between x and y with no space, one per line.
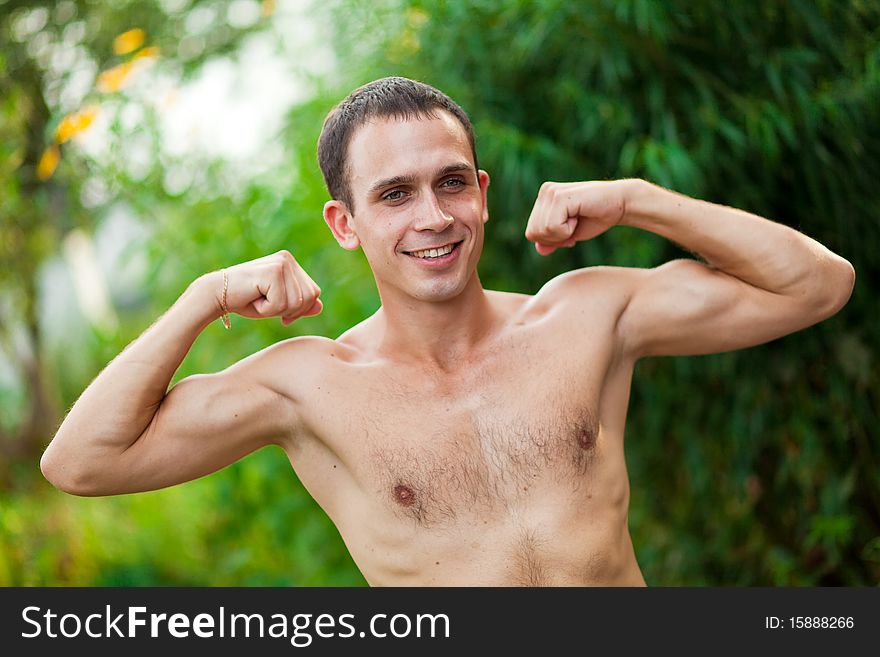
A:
[339,219]
[483,177]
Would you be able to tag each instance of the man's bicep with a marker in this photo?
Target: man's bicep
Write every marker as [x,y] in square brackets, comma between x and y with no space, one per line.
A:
[685,307]
[206,422]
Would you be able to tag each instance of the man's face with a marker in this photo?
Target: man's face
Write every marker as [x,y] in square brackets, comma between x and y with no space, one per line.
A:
[420,205]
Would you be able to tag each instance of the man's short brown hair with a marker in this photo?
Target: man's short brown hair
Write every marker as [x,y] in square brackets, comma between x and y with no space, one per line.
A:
[400,98]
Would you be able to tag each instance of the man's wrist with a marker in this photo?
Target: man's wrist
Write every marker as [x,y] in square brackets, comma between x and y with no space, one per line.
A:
[203,297]
[640,196]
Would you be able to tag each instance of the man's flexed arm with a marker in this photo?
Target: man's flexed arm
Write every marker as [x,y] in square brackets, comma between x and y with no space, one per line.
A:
[128,433]
[763,279]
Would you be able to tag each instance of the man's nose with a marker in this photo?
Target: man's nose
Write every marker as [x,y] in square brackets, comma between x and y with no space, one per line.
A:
[431,215]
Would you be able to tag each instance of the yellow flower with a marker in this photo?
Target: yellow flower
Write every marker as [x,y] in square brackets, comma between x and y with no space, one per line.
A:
[72,124]
[128,41]
[268,8]
[48,162]
[113,78]
[151,52]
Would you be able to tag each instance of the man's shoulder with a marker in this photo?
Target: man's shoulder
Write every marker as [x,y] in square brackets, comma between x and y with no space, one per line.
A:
[301,354]
[600,284]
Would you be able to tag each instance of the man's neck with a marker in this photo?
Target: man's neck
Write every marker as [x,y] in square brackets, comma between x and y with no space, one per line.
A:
[436,334]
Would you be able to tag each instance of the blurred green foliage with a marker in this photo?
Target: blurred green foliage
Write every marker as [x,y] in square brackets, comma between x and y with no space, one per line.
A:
[758,467]
[48,49]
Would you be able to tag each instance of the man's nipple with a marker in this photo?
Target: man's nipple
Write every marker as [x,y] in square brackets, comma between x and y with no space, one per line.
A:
[586,438]
[404,495]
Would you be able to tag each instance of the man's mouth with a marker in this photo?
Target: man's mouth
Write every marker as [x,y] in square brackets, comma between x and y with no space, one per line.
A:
[434,253]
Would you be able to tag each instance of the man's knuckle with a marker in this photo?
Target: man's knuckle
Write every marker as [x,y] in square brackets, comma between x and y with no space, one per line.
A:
[550,189]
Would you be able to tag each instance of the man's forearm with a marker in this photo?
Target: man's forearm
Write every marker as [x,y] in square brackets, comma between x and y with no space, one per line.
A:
[119,404]
[760,252]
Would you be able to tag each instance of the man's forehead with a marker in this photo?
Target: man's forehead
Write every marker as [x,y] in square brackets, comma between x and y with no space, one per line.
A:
[437,119]
[388,146]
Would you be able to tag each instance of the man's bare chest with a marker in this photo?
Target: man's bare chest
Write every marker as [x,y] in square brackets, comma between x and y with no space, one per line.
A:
[433,449]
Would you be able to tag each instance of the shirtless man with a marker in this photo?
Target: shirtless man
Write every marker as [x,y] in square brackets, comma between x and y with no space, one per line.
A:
[459,436]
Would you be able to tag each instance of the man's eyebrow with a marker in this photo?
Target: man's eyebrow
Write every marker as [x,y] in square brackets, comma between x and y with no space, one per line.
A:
[389,182]
[409,178]
[454,168]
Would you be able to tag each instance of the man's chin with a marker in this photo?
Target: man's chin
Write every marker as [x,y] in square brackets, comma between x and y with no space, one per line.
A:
[437,296]
[439,292]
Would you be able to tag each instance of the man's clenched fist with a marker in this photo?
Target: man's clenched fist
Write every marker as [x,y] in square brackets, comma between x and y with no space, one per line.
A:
[271,286]
[566,213]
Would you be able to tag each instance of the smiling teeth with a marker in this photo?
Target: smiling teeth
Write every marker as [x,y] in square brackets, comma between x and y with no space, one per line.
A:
[433,253]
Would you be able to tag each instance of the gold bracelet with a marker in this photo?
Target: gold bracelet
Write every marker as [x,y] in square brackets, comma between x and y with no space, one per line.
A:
[223,307]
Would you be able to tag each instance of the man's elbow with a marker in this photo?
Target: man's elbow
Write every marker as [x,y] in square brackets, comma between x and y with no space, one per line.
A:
[835,287]
[65,477]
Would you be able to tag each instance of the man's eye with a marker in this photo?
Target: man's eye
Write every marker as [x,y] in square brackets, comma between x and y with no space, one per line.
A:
[453,182]
[394,195]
